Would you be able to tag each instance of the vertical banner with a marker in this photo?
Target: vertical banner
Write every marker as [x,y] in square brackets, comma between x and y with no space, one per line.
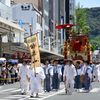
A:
[33,46]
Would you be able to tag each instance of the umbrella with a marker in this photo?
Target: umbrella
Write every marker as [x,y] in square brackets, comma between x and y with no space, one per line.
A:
[12,61]
[64,26]
[2,58]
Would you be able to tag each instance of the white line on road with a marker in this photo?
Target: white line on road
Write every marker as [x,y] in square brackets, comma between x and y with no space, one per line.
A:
[7,90]
[52,94]
[16,90]
[28,97]
[95,90]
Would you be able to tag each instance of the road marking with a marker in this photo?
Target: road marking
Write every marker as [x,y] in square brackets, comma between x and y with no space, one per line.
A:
[11,97]
[5,99]
[52,94]
[7,90]
[95,90]
[48,96]
[16,90]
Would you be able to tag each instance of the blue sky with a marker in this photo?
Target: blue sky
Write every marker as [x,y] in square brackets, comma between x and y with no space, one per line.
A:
[89,3]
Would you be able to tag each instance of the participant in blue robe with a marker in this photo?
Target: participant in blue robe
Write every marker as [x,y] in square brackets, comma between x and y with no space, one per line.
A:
[87,77]
[56,77]
[78,84]
[47,84]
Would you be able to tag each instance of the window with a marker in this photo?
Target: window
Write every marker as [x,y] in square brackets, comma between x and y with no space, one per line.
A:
[46,5]
[46,33]
[37,18]
[51,28]
[46,20]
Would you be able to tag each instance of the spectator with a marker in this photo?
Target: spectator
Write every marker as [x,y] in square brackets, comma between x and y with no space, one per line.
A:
[16,72]
[0,73]
[13,74]
[9,73]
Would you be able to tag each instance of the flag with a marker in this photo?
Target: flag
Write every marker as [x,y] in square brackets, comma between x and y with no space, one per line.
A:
[33,46]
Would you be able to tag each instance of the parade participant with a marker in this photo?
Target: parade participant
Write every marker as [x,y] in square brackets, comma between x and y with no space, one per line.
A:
[48,71]
[13,74]
[69,74]
[62,70]
[56,76]
[87,77]
[78,84]
[23,72]
[82,74]
[96,71]
[35,77]
[91,65]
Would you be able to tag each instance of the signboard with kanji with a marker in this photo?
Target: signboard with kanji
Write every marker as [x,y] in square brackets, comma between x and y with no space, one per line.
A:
[33,46]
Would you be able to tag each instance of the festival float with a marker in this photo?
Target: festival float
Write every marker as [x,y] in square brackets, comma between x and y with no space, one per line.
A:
[77,46]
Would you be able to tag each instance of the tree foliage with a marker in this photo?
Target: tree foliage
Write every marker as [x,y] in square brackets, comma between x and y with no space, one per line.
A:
[93,47]
[79,20]
[93,20]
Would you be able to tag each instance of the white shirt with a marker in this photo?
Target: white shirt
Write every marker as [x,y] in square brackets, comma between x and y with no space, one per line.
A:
[58,70]
[23,72]
[70,73]
[79,71]
[13,71]
[96,70]
[50,70]
[88,71]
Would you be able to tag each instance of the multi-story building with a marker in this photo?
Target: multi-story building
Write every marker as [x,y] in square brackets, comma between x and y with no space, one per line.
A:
[69,10]
[29,14]
[5,10]
[36,3]
[56,17]
[7,28]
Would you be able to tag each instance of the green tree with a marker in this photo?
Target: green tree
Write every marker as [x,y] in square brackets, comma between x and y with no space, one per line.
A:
[79,20]
[93,47]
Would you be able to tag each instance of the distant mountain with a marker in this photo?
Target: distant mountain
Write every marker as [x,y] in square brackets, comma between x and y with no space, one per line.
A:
[93,20]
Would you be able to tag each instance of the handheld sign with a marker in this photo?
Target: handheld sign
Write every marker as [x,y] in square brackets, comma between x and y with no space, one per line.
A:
[33,46]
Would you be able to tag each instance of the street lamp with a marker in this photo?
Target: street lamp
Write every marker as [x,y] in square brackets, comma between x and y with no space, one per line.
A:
[30,29]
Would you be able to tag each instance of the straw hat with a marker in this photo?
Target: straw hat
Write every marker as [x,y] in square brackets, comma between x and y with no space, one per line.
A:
[78,61]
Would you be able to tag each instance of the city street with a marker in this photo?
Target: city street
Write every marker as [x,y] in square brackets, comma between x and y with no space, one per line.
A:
[12,92]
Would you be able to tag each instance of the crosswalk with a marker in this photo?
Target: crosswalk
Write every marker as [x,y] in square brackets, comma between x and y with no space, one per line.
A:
[15,94]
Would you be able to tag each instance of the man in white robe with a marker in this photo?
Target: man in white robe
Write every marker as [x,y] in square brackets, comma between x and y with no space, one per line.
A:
[96,71]
[69,74]
[23,72]
[35,80]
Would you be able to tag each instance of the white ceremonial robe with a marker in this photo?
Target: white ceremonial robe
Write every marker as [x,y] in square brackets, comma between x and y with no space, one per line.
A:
[96,72]
[70,73]
[36,81]
[23,72]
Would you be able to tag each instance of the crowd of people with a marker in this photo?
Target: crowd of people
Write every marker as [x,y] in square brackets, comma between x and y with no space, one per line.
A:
[76,75]
[8,73]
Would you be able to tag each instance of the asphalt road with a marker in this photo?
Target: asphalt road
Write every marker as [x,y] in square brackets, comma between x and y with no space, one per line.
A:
[13,92]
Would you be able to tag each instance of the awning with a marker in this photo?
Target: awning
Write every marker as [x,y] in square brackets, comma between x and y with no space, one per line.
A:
[45,54]
[49,54]
[7,27]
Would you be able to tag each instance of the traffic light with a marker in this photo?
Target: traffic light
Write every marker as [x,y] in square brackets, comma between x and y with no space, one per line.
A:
[70,17]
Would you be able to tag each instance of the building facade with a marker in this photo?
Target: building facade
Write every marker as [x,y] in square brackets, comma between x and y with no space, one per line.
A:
[29,15]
